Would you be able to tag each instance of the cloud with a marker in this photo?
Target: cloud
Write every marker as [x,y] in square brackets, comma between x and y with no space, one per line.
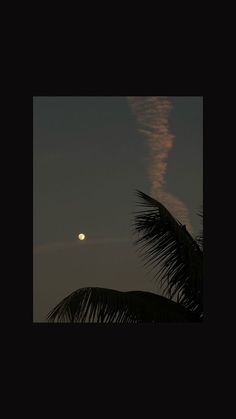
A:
[55,246]
[152,113]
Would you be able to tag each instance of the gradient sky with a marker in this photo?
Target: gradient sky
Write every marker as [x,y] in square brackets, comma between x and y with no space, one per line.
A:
[89,158]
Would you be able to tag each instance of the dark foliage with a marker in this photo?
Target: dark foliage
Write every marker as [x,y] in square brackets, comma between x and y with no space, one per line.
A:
[104,305]
[166,246]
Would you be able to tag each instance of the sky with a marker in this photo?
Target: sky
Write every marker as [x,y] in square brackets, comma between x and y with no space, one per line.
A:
[90,155]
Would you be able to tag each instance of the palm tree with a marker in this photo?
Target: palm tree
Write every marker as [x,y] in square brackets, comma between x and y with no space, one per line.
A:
[176,258]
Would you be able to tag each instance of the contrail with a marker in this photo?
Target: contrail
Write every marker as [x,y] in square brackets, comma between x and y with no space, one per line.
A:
[152,113]
[57,246]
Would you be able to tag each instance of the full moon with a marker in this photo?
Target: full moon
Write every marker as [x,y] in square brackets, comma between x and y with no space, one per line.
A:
[81,236]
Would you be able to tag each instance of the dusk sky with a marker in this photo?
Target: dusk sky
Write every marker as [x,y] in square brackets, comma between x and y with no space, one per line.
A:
[90,155]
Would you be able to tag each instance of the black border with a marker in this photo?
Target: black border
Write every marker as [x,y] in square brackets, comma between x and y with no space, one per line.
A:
[192,338]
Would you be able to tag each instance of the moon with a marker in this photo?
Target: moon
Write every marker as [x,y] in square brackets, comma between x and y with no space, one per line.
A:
[81,236]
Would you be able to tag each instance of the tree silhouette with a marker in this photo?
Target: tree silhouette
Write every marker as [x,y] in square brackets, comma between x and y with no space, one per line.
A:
[177,261]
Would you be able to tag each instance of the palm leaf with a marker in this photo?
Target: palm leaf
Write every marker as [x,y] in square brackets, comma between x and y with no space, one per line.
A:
[167,247]
[199,238]
[101,305]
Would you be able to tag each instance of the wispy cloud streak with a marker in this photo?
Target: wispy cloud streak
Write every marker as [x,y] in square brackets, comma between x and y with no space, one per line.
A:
[152,113]
[55,246]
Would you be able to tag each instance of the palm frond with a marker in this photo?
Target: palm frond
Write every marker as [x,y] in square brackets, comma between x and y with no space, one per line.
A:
[102,305]
[166,246]
[199,238]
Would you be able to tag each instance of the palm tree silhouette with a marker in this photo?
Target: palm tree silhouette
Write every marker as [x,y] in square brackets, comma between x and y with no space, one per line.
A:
[177,260]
